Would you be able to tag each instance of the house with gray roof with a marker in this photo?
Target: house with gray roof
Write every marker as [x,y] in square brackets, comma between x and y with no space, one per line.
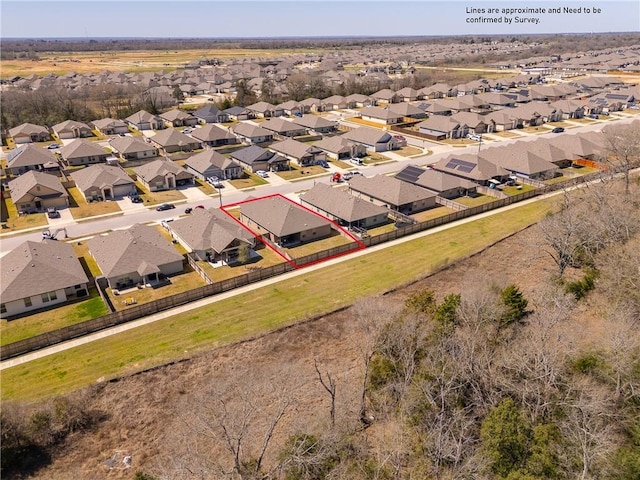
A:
[340,148]
[110,126]
[521,159]
[83,152]
[214,136]
[163,174]
[358,100]
[210,163]
[315,124]
[29,133]
[28,157]
[385,96]
[472,167]
[210,114]
[301,153]
[172,141]
[283,222]
[35,191]
[211,235]
[251,134]
[265,110]
[133,148]
[238,113]
[256,158]
[383,116]
[283,128]
[344,208]
[37,275]
[103,182]
[139,255]
[392,193]
[445,185]
[178,118]
[408,110]
[291,107]
[72,129]
[372,139]
[440,127]
[144,120]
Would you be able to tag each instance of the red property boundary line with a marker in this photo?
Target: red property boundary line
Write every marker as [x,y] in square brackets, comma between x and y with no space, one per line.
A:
[361,245]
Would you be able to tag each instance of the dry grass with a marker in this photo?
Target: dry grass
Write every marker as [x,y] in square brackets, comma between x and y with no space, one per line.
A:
[248,181]
[17,222]
[267,258]
[297,173]
[505,134]
[88,262]
[517,190]
[155,198]
[408,151]
[475,201]
[334,240]
[375,157]
[79,207]
[366,123]
[432,213]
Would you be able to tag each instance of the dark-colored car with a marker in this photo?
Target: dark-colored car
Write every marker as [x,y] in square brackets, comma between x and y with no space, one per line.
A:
[53,213]
[165,206]
[188,210]
[557,130]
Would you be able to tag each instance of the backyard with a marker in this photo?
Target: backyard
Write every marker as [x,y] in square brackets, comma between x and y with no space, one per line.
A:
[264,257]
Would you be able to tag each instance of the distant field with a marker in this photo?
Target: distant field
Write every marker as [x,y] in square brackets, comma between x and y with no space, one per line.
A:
[131,61]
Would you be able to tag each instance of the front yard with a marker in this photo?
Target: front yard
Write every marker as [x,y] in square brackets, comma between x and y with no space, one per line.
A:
[247,181]
[79,207]
[17,222]
[155,198]
[297,172]
[408,151]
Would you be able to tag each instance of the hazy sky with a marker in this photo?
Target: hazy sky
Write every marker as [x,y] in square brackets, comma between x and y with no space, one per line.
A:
[266,18]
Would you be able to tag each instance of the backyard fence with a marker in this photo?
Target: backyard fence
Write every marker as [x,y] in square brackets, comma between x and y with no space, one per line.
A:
[138,311]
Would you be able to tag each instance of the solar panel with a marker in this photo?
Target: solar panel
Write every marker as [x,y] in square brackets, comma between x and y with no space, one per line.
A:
[409,174]
[466,168]
[461,165]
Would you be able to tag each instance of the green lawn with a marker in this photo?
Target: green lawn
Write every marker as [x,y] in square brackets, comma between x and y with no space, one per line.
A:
[517,191]
[249,180]
[52,319]
[475,201]
[261,310]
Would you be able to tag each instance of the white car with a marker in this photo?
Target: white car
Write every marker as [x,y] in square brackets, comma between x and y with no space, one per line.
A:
[356,161]
[262,173]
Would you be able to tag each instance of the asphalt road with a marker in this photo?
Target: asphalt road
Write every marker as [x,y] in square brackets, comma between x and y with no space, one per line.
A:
[230,196]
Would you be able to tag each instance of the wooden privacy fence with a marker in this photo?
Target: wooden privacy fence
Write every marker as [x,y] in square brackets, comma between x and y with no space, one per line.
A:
[142,310]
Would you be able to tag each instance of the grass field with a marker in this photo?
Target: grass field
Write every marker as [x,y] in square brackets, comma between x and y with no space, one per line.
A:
[263,309]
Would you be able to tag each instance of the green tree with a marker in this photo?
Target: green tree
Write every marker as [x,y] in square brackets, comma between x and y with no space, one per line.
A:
[506,438]
[446,314]
[177,93]
[515,305]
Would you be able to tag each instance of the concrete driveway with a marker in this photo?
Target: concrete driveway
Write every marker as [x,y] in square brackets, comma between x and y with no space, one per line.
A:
[194,194]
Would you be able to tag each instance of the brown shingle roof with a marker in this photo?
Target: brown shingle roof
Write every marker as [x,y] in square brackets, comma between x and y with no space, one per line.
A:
[281,216]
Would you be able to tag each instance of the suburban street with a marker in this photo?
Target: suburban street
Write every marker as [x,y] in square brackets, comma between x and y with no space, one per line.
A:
[133,213]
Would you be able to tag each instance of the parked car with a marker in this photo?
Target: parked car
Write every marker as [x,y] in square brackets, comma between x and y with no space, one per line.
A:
[136,199]
[53,146]
[165,206]
[187,130]
[188,210]
[53,213]
[262,174]
[557,130]
[323,164]
[474,137]
[594,116]
[356,161]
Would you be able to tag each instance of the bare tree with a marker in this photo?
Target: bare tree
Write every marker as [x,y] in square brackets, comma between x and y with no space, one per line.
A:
[329,384]
[623,142]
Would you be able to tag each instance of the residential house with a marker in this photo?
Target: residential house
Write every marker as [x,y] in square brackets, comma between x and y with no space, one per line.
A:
[133,148]
[210,163]
[439,127]
[255,158]
[214,136]
[35,191]
[238,113]
[522,160]
[357,100]
[29,157]
[344,208]
[211,235]
[503,119]
[385,96]
[334,102]
[171,141]
[291,108]
[472,167]
[163,174]
[103,182]
[372,139]
[72,129]
[178,118]
[302,153]
[445,185]
[265,110]
[311,105]
[139,255]
[283,222]
[29,133]
[144,120]
[110,126]
[570,108]
[251,134]
[383,116]
[83,152]
[315,124]
[409,94]
[283,128]
[475,122]
[210,114]
[407,110]
[339,148]
[392,193]
[38,275]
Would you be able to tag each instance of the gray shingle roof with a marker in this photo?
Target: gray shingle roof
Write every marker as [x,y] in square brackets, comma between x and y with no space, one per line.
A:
[341,203]
[209,133]
[20,186]
[160,168]
[130,145]
[280,216]
[367,136]
[125,251]
[389,189]
[100,176]
[172,137]
[82,148]
[34,268]
[203,160]
[28,155]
